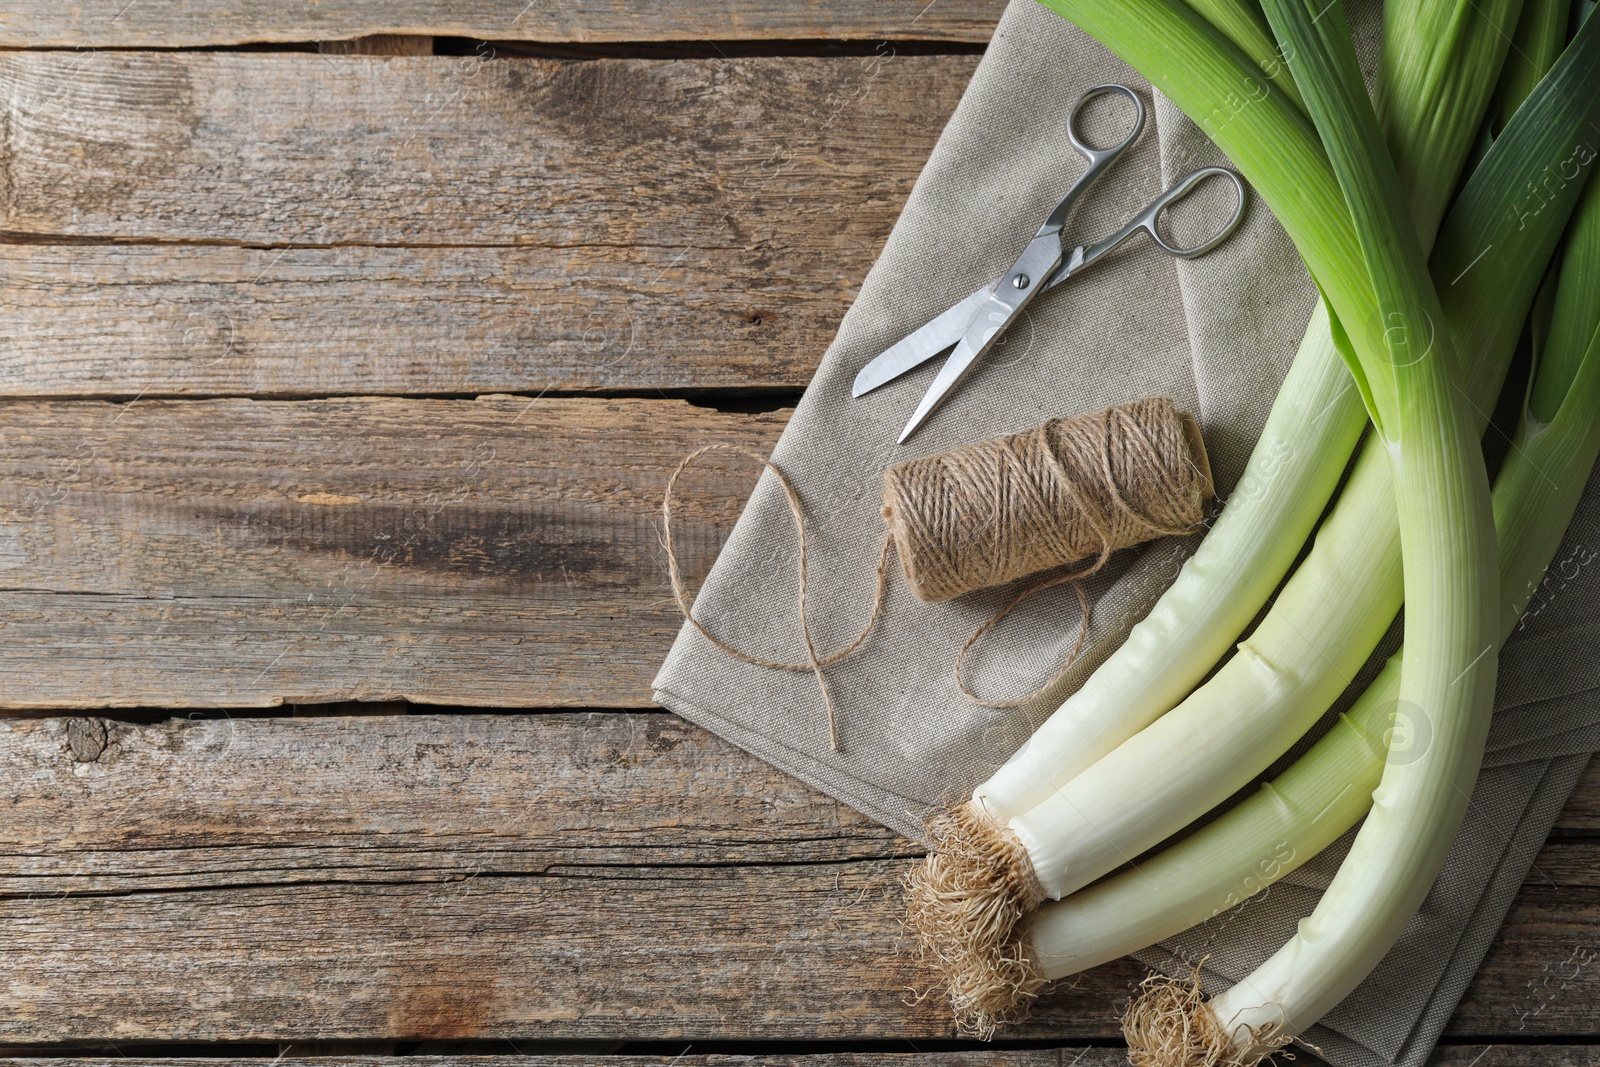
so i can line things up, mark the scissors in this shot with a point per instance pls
(975, 324)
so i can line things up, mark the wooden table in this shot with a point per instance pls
(342, 380)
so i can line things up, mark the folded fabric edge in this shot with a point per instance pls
(1583, 741)
(1536, 701)
(902, 817)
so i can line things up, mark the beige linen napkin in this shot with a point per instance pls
(1216, 334)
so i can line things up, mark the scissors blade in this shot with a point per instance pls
(920, 345)
(1030, 275)
(978, 339)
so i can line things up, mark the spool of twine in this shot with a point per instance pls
(1084, 486)
(1070, 492)
(1058, 499)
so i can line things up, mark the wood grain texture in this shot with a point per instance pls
(1062, 1057)
(117, 320)
(632, 224)
(378, 44)
(236, 802)
(447, 877)
(767, 155)
(554, 876)
(498, 552)
(172, 23)
(1071, 1056)
(719, 952)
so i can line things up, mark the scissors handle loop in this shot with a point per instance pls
(1147, 220)
(1099, 158)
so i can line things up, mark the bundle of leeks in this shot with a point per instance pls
(1417, 344)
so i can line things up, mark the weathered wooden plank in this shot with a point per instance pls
(559, 876)
(673, 898)
(636, 224)
(102, 806)
(170, 23)
(765, 155)
(1542, 977)
(173, 320)
(697, 953)
(1061, 1057)
(557, 943)
(1071, 1056)
(497, 552)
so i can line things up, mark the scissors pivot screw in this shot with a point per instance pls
(1021, 281)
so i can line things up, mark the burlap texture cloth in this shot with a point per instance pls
(1216, 334)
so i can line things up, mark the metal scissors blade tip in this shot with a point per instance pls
(919, 346)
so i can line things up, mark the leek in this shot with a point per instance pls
(1571, 317)
(1343, 597)
(1541, 34)
(1305, 809)
(1268, 999)
(1435, 71)
(1447, 542)
(1241, 22)
(1330, 787)
(976, 904)
(965, 902)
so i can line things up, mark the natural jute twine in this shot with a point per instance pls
(984, 514)
(1043, 500)
(813, 662)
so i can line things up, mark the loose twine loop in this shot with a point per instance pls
(1036, 502)
(813, 662)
